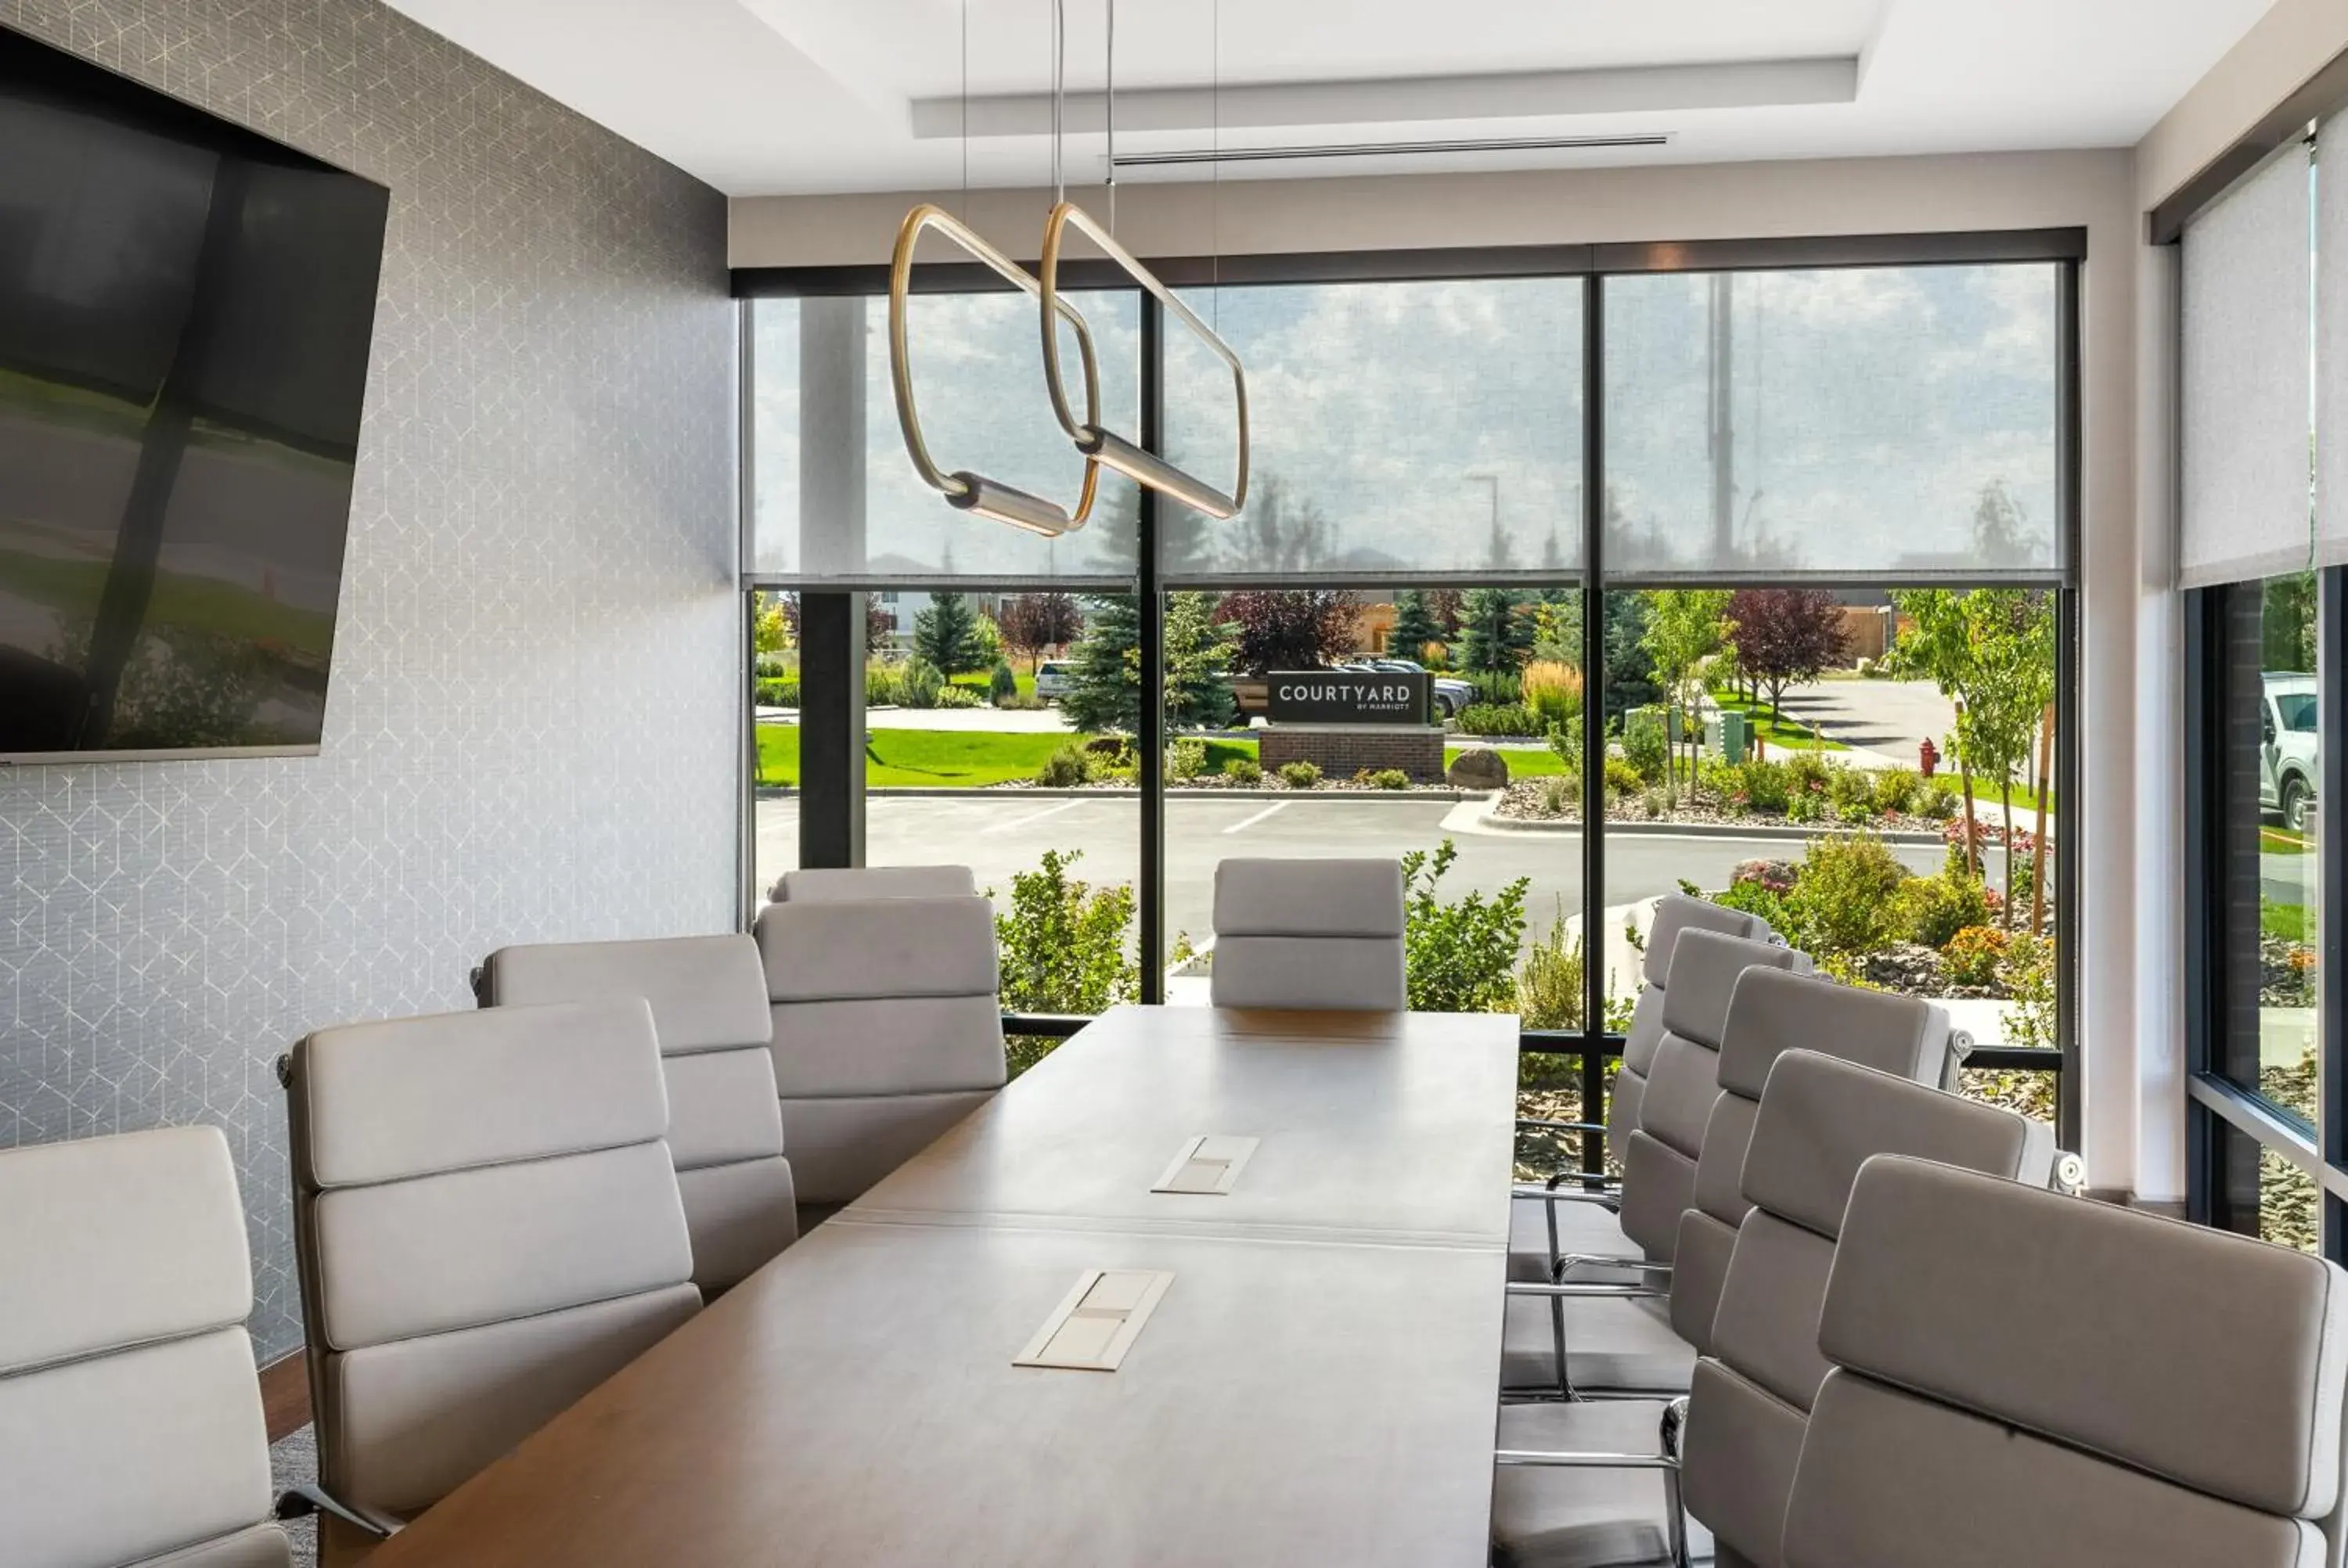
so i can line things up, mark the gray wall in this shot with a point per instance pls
(530, 729)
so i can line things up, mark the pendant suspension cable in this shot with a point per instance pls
(965, 111)
(1059, 94)
(1108, 108)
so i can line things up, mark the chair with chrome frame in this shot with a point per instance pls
(1618, 1331)
(488, 1226)
(855, 884)
(131, 1432)
(1544, 1231)
(1308, 934)
(1727, 1449)
(1998, 1394)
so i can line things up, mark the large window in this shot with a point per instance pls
(1753, 582)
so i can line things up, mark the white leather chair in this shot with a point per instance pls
(855, 884)
(1540, 1233)
(709, 997)
(2029, 1379)
(887, 1030)
(130, 1420)
(488, 1226)
(1317, 934)
(1772, 1013)
(1620, 1341)
(1731, 1444)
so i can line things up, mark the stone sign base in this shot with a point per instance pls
(1340, 751)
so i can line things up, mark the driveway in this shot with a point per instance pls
(1887, 716)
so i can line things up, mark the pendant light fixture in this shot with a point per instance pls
(1097, 442)
(965, 489)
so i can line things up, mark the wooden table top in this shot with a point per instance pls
(1383, 1126)
(1308, 1389)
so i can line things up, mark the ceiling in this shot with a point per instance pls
(764, 96)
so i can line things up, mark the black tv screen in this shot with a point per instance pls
(185, 313)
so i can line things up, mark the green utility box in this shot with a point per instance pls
(1728, 736)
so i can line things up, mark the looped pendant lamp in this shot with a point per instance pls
(965, 489)
(1097, 442)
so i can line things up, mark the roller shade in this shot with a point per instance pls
(2245, 508)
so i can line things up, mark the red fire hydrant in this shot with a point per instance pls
(1928, 756)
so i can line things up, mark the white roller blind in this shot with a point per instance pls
(2247, 271)
(2332, 344)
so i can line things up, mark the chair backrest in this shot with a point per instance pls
(1773, 1013)
(1821, 1119)
(709, 997)
(857, 884)
(1674, 913)
(131, 1423)
(888, 1031)
(1320, 934)
(1659, 1161)
(488, 1226)
(2026, 1378)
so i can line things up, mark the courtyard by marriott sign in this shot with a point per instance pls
(1346, 697)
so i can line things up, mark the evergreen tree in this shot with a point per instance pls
(1198, 648)
(1630, 672)
(1105, 667)
(1415, 625)
(1493, 635)
(946, 635)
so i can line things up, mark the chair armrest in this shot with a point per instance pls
(1546, 1459)
(1542, 1124)
(1531, 1287)
(1607, 1201)
(310, 1498)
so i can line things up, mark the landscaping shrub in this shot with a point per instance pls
(2031, 1022)
(1932, 909)
(1553, 691)
(1063, 941)
(1655, 801)
(1645, 742)
(1063, 769)
(1751, 895)
(778, 694)
(1805, 773)
(959, 697)
(1244, 771)
(772, 666)
(1493, 718)
(1110, 759)
(1022, 702)
(1186, 759)
(1459, 956)
(1299, 776)
(1806, 805)
(1384, 778)
(1936, 801)
(1972, 955)
(1559, 792)
(1001, 685)
(921, 685)
(1622, 780)
(1496, 688)
(881, 685)
(1767, 786)
(1850, 788)
(1549, 981)
(1895, 789)
(1565, 740)
(1845, 900)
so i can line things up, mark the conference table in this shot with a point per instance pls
(1304, 1333)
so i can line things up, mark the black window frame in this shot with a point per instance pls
(836, 837)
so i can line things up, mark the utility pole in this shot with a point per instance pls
(1720, 443)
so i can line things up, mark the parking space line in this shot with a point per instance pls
(1017, 823)
(1275, 808)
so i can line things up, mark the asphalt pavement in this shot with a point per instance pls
(998, 832)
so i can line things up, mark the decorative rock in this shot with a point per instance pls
(1479, 767)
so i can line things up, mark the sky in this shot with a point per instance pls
(1436, 426)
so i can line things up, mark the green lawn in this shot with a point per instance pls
(2287, 921)
(977, 680)
(1781, 734)
(974, 759)
(2278, 841)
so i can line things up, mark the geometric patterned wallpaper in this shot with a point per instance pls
(531, 720)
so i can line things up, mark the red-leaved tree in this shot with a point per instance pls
(1290, 628)
(1786, 635)
(1032, 622)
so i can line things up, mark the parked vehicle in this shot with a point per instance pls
(1053, 677)
(1450, 695)
(2286, 746)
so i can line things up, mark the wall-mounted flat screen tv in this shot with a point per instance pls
(185, 313)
